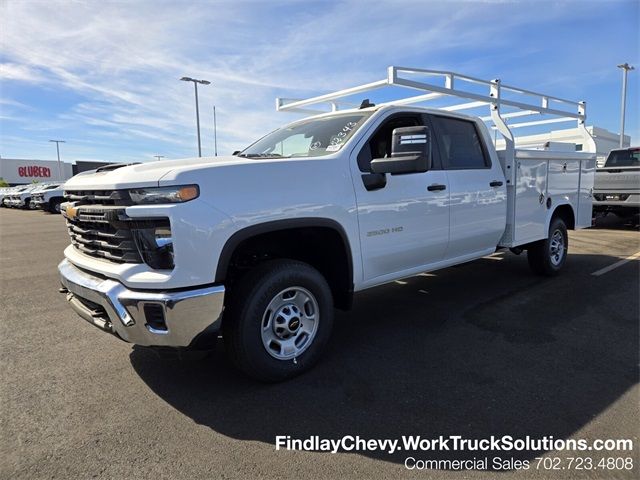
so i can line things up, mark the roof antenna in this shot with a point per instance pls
(366, 104)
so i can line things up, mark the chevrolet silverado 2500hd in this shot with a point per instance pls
(261, 246)
(617, 184)
(48, 197)
(21, 196)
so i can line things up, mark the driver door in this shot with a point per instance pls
(404, 225)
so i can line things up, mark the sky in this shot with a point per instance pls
(104, 75)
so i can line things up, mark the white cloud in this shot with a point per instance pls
(123, 60)
(15, 71)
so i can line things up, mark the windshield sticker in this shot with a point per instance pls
(336, 141)
(315, 145)
(349, 126)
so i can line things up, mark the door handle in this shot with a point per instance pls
(436, 187)
(496, 183)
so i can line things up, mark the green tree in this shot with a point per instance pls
(3, 183)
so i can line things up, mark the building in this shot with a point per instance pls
(605, 140)
(16, 171)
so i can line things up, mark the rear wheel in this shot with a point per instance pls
(547, 257)
(278, 320)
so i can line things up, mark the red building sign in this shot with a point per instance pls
(34, 171)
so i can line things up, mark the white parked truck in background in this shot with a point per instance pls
(617, 184)
(261, 246)
(48, 197)
(20, 197)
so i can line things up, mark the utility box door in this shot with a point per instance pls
(530, 207)
(585, 197)
(563, 181)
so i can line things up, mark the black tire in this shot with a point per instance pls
(246, 313)
(547, 257)
(54, 205)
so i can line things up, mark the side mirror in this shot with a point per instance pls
(236, 152)
(410, 152)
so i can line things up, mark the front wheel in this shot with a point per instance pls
(278, 320)
(547, 257)
(54, 205)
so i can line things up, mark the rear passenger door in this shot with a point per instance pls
(478, 200)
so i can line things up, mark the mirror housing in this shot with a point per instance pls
(410, 152)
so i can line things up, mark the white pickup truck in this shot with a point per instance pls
(48, 197)
(261, 246)
(617, 184)
(20, 196)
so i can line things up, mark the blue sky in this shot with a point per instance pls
(104, 75)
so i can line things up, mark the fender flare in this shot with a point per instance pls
(552, 210)
(278, 225)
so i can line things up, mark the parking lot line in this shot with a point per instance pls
(604, 270)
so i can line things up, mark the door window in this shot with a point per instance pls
(460, 144)
(379, 145)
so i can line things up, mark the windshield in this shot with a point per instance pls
(308, 138)
(624, 158)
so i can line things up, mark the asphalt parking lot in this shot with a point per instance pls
(481, 349)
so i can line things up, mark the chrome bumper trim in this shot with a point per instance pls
(111, 306)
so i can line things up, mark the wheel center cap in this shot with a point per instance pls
(294, 324)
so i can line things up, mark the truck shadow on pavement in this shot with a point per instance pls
(613, 222)
(477, 350)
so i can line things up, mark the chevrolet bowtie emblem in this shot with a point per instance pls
(71, 211)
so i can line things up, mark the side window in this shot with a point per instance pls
(379, 145)
(460, 144)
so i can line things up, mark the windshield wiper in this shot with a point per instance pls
(260, 155)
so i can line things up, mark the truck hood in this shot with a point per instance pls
(145, 174)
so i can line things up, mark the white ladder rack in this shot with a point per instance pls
(505, 102)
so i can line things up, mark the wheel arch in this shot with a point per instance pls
(565, 211)
(335, 262)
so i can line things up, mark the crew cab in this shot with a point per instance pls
(617, 184)
(48, 197)
(260, 247)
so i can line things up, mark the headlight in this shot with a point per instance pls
(176, 194)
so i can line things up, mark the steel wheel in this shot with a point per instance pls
(556, 248)
(290, 323)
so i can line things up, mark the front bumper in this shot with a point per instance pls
(38, 202)
(187, 315)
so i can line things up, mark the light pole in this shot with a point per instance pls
(625, 69)
(195, 84)
(159, 157)
(215, 133)
(58, 142)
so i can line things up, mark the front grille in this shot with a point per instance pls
(99, 197)
(99, 226)
(99, 232)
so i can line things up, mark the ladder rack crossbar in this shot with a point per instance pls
(451, 87)
(540, 122)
